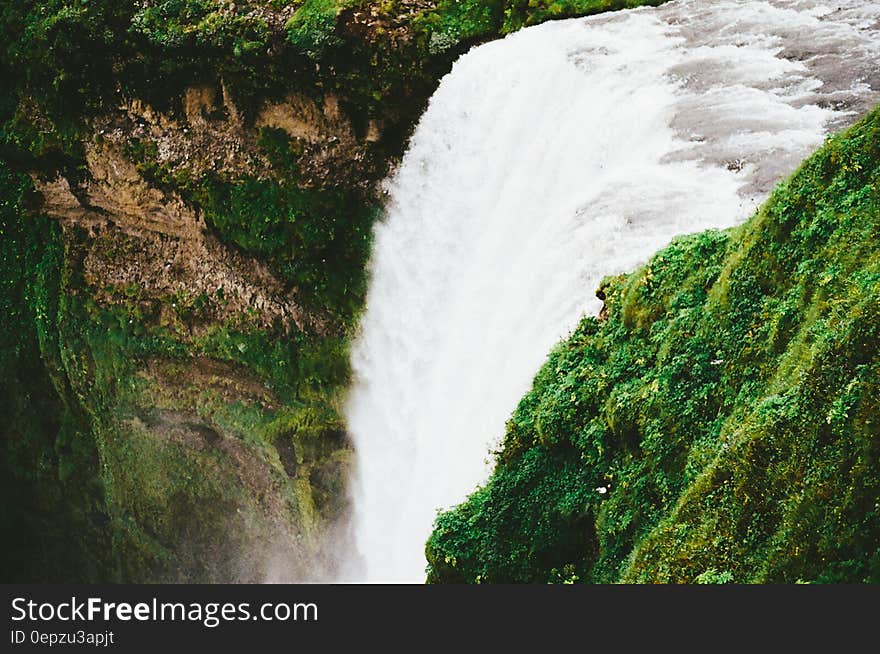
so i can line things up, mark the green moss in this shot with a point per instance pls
(162, 477)
(315, 240)
(452, 23)
(521, 13)
(312, 28)
(48, 460)
(728, 406)
(185, 469)
(455, 22)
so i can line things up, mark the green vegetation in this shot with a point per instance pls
(454, 22)
(521, 13)
(48, 462)
(721, 425)
(312, 29)
(316, 240)
(93, 446)
(68, 59)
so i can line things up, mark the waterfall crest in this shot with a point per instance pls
(545, 161)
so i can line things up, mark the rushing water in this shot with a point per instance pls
(545, 161)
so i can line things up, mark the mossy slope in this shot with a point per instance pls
(132, 450)
(48, 461)
(721, 424)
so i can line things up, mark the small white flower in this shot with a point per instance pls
(601, 490)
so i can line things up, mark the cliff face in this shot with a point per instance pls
(198, 279)
(189, 188)
(718, 421)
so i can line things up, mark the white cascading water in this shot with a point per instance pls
(545, 161)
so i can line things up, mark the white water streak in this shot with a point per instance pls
(544, 162)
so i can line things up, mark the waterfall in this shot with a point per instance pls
(545, 161)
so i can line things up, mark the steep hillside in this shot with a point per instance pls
(718, 421)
